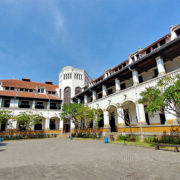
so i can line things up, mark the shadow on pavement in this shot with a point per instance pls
(3, 144)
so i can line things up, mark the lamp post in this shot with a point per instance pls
(138, 114)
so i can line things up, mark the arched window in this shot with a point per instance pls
(67, 95)
(77, 90)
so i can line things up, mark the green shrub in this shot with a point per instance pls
(153, 139)
(80, 135)
(73, 134)
(124, 138)
(170, 140)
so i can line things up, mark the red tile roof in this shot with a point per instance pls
(27, 85)
(28, 95)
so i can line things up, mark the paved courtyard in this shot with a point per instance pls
(51, 159)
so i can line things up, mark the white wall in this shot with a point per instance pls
(73, 82)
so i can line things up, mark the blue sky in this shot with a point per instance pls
(39, 37)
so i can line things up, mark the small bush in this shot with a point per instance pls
(169, 140)
(151, 139)
(80, 135)
(73, 134)
(127, 138)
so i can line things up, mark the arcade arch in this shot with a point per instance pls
(113, 119)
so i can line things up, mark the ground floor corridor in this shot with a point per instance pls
(47, 159)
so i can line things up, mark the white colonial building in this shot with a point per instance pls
(115, 94)
(45, 99)
(117, 91)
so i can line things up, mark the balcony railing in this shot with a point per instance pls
(39, 107)
(24, 106)
(54, 107)
(144, 83)
(6, 105)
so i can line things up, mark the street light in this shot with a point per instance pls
(141, 131)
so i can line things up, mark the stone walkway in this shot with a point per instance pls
(49, 159)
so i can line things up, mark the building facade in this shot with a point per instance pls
(115, 94)
(45, 99)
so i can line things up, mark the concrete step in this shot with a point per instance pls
(64, 135)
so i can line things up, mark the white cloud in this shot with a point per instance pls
(58, 20)
(48, 11)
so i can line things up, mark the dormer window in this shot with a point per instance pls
(51, 92)
(178, 32)
(148, 51)
(138, 56)
(7, 88)
(154, 46)
(41, 90)
(132, 59)
(124, 64)
(162, 42)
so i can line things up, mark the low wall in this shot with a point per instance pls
(152, 130)
(146, 130)
(16, 133)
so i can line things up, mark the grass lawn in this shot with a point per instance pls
(81, 138)
(143, 144)
(136, 143)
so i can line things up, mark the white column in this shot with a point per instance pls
(94, 95)
(48, 105)
(106, 119)
(117, 85)
(104, 91)
(79, 101)
(85, 99)
(135, 77)
(72, 126)
(171, 118)
(0, 102)
(140, 113)
(14, 103)
(47, 121)
(160, 65)
(61, 125)
(32, 126)
(120, 114)
(33, 104)
(130, 59)
(135, 58)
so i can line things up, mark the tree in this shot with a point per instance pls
(5, 116)
(27, 119)
(78, 112)
(71, 111)
(125, 115)
(164, 97)
(90, 115)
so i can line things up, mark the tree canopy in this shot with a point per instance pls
(26, 119)
(165, 96)
(78, 112)
(5, 116)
